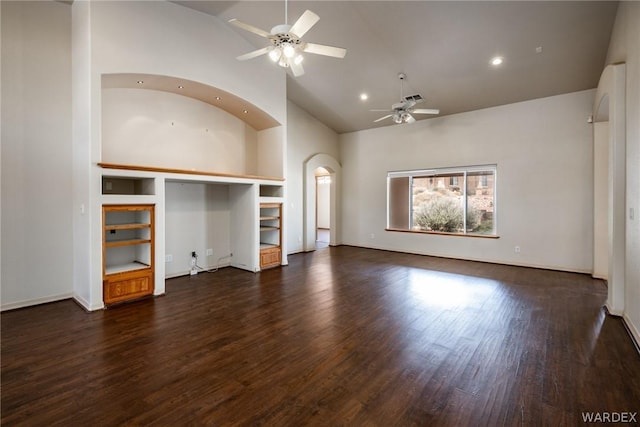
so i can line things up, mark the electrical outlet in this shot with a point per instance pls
(517, 249)
(168, 258)
(209, 252)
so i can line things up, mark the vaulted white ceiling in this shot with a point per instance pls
(443, 47)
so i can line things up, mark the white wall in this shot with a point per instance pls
(197, 218)
(37, 233)
(600, 200)
(154, 128)
(306, 136)
(625, 47)
(323, 194)
(271, 146)
(163, 38)
(543, 150)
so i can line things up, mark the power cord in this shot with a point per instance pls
(213, 270)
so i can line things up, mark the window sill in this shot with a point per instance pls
(442, 233)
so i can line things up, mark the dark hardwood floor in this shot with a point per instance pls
(342, 336)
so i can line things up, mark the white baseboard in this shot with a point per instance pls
(476, 259)
(35, 301)
(633, 331)
(611, 311)
(86, 305)
(205, 270)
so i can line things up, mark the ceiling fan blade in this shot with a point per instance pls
(254, 53)
(410, 119)
(296, 69)
(249, 27)
(320, 49)
(425, 111)
(307, 20)
(385, 110)
(382, 118)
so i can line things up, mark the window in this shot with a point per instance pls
(452, 200)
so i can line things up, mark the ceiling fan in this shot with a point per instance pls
(401, 112)
(286, 41)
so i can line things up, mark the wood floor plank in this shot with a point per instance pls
(341, 336)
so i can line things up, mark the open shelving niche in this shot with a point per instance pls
(128, 252)
(270, 226)
(138, 185)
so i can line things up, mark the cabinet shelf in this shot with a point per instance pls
(123, 268)
(135, 226)
(269, 218)
(268, 246)
(262, 228)
(128, 242)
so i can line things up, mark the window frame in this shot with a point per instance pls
(435, 172)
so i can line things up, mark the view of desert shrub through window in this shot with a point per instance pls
(452, 200)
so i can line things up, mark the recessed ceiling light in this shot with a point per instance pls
(180, 87)
(217, 98)
(364, 96)
(245, 111)
(497, 60)
(139, 82)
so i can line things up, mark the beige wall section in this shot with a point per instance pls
(270, 146)
(600, 199)
(154, 128)
(625, 47)
(197, 219)
(323, 194)
(306, 137)
(37, 202)
(543, 151)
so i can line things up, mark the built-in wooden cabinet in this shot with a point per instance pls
(270, 235)
(127, 252)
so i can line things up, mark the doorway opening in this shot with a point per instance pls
(323, 207)
(321, 162)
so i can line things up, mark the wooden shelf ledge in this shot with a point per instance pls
(184, 171)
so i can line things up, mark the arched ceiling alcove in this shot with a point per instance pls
(242, 109)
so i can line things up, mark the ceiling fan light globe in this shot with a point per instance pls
(283, 62)
(298, 60)
(275, 55)
(288, 50)
(397, 119)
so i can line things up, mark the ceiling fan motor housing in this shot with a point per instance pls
(278, 39)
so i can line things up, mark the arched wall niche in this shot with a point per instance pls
(309, 216)
(170, 122)
(242, 109)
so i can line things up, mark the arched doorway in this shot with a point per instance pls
(609, 184)
(310, 199)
